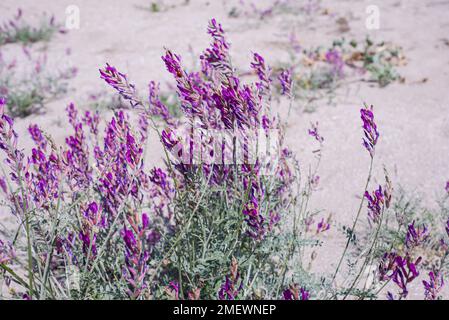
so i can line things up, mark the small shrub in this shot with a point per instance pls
(28, 84)
(16, 30)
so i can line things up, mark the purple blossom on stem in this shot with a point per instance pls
(375, 204)
(173, 64)
(294, 292)
(416, 235)
(92, 121)
(313, 132)
(37, 136)
(119, 82)
(9, 144)
(76, 157)
(285, 78)
(387, 266)
(92, 222)
(263, 73)
(322, 226)
(433, 286)
(406, 272)
(231, 288)
(402, 270)
(369, 129)
(217, 55)
(254, 220)
(136, 256)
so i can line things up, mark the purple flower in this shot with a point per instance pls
(119, 82)
(322, 226)
(92, 222)
(76, 157)
(262, 72)
(402, 270)
(285, 78)
(92, 121)
(294, 292)
(369, 129)
(173, 64)
(217, 55)
(447, 187)
(416, 235)
(406, 271)
(136, 256)
(230, 289)
(433, 286)
(37, 136)
(313, 132)
(375, 204)
(254, 220)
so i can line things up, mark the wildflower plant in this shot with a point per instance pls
(321, 71)
(226, 217)
(28, 82)
(17, 30)
(90, 206)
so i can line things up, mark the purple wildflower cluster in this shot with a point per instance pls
(295, 292)
(120, 83)
(433, 287)
(401, 269)
(116, 180)
(375, 204)
(416, 235)
(232, 286)
(314, 132)
(285, 79)
(16, 29)
(136, 255)
(369, 129)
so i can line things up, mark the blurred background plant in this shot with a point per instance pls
(17, 30)
(28, 81)
(321, 71)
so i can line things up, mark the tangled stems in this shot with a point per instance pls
(354, 283)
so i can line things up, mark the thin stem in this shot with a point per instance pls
(355, 221)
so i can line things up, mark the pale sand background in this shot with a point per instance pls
(413, 118)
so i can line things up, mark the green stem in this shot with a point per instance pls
(355, 221)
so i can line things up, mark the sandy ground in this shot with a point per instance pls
(413, 117)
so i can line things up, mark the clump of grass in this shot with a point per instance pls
(17, 30)
(27, 83)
